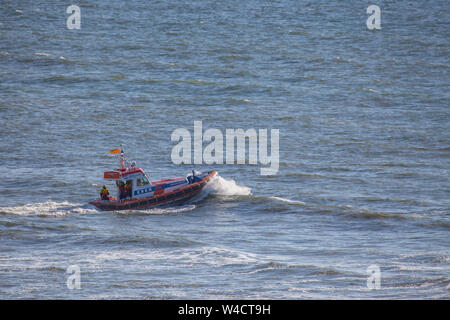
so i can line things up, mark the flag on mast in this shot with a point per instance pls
(115, 151)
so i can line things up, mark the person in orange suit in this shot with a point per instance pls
(104, 193)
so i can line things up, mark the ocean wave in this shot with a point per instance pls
(288, 200)
(196, 82)
(436, 223)
(159, 210)
(273, 203)
(278, 267)
(43, 54)
(185, 254)
(271, 266)
(231, 58)
(417, 267)
(386, 199)
(48, 208)
(220, 256)
(424, 257)
(240, 101)
(286, 118)
(158, 241)
(362, 213)
(307, 175)
(70, 79)
(440, 282)
(340, 59)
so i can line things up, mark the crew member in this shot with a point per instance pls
(122, 191)
(104, 193)
(128, 189)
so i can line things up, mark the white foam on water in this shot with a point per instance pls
(157, 258)
(417, 267)
(160, 210)
(48, 208)
(226, 187)
(288, 200)
(43, 54)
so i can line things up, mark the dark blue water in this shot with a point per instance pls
(364, 148)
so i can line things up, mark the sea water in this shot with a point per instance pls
(363, 118)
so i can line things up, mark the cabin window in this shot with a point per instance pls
(142, 182)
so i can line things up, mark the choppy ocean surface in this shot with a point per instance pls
(364, 122)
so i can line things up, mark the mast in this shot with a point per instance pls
(123, 160)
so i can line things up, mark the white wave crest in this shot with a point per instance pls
(288, 200)
(160, 210)
(48, 208)
(43, 54)
(226, 187)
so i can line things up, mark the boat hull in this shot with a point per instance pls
(174, 196)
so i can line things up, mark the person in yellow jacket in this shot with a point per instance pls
(104, 193)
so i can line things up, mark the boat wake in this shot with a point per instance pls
(228, 187)
(162, 210)
(48, 209)
(288, 200)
